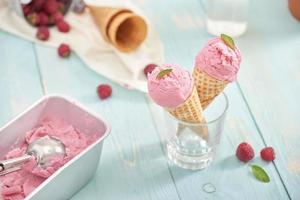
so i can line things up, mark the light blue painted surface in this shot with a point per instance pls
(133, 165)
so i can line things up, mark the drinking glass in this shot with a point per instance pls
(194, 145)
(226, 16)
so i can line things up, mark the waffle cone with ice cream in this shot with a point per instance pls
(120, 26)
(173, 88)
(217, 64)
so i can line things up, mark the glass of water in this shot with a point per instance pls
(226, 16)
(193, 146)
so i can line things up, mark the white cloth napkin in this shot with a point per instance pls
(86, 40)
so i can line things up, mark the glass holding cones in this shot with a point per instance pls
(193, 145)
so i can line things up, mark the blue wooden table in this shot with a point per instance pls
(264, 107)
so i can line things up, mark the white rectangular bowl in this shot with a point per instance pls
(67, 180)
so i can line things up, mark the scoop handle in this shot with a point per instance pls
(13, 162)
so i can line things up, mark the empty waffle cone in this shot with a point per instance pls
(207, 87)
(120, 27)
(190, 111)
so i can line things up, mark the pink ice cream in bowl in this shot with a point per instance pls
(55, 116)
(218, 60)
(170, 90)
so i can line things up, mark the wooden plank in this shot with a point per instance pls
(181, 28)
(270, 81)
(19, 76)
(132, 164)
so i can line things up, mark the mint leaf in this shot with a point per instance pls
(260, 174)
(163, 73)
(228, 41)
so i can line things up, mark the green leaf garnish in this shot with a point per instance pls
(228, 41)
(163, 73)
(260, 174)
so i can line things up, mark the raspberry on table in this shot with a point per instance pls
(64, 50)
(149, 68)
(43, 33)
(63, 26)
(267, 154)
(104, 91)
(244, 152)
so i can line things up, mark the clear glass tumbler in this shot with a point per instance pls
(226, 16)
(193, 146)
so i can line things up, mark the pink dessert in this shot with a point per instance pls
(17, 185)
(172, 89)
(218, 60)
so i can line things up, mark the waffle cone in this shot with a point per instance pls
(120, 27)
(190, 111)
(207, 87)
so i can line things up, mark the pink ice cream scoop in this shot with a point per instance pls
(171, 89)
(218, 60)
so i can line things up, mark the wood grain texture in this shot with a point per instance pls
(19, 77)
(133, 165)
(270, 81)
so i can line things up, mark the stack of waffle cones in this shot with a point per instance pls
(119, 26)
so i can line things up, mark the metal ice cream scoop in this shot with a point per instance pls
(43, 150)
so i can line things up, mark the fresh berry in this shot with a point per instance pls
(63, 26)
(149, 68)
(244, 152)
(104, 91)
(57, 17)
(33, 18)
(64, 50)
(26, 9)
(267, 154)
(61, 7)
(37, 5)
(50, 6)
(43, 33)
(43, 19)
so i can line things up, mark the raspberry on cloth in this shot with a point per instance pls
(88, 43)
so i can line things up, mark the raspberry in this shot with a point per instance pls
(149, 68)
(37, 5)
(57, 17)
(63, 26)
(50, 6)
(33, 18)
(267, 154)
(64, 50)
(43, 33)
(43, 19)
(244, 152)
(104, 91)
(61, 7)
(26, 9)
